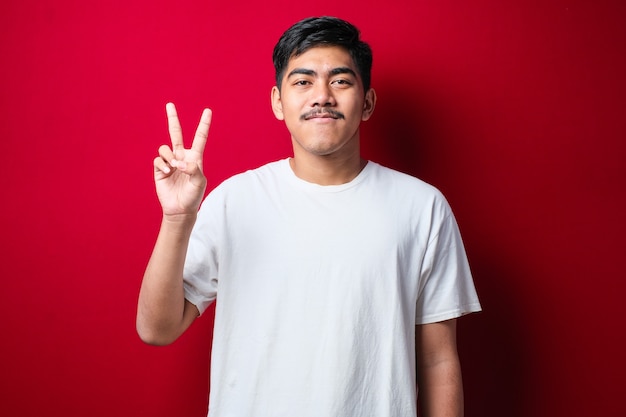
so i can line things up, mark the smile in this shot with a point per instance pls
(322, 113)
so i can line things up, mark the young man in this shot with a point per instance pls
(335, 276)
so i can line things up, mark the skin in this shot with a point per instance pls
(439, 370)
(163, 313)
(322, 102)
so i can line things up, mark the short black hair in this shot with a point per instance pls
(323, 31)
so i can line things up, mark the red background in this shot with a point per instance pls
(516, 110)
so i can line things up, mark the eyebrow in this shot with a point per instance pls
(334, 71)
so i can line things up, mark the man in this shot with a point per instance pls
(335, 276)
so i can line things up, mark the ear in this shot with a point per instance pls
(277, 105)
(369, 104)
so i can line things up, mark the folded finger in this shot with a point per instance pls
(161, 165)
(166, 153)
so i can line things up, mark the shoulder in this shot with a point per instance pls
(240, 182)
(411, 199)
(404, 184)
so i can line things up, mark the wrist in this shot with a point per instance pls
(179, 221)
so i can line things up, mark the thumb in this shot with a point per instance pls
(196, 176)
(179, 154)
(190, 168)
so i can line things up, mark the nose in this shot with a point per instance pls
(322, 95)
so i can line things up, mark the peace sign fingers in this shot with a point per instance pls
(176, 133)
(173, 125)
(199, 140)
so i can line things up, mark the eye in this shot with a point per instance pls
(342, 82)
(302, 82)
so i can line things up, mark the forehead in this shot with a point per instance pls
(320, 57)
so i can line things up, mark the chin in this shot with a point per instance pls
(323, 145)
(323, 149)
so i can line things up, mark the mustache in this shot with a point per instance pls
(322, 111)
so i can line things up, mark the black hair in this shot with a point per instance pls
(322, 31)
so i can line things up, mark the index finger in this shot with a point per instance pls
(199, 140)
(173, 125)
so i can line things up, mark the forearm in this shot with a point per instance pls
(161, 315)
(440, 389)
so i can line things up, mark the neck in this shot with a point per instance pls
(327, 169)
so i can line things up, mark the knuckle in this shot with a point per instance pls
(164, 150)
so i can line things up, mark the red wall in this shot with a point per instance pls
(516, 110)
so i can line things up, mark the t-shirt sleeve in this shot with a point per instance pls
(446, 286)
(202, 261)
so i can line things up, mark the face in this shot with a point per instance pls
(322, 102)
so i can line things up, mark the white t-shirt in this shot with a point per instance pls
(319, 289)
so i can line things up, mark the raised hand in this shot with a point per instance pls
(178, 175)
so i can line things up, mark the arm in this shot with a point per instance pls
(438, 370)
(163, 314)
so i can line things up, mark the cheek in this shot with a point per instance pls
(292, 121)
(292, 113)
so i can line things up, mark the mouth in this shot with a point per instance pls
(322, 113)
